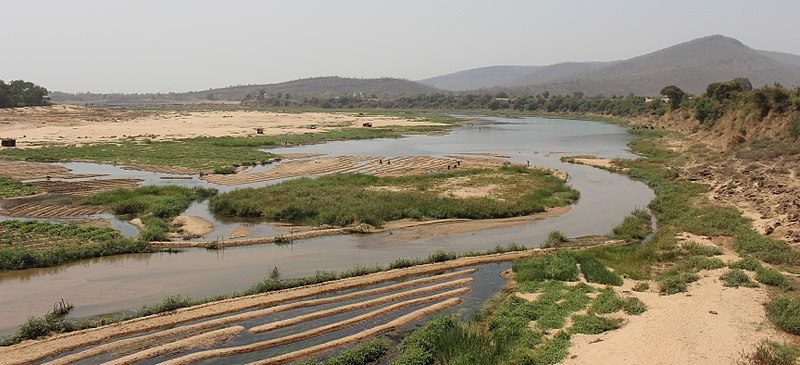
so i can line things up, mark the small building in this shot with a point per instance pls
(8, 142)
(367, 124)
(259, 130)
(310, 126)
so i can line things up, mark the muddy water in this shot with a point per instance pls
(128, 281)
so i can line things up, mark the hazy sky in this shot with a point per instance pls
(149, 46)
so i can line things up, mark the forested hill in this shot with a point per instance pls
(321, 87)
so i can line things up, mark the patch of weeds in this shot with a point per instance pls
(363, 354)
(591, 324)
(555, 239)
(702, 250)
(746, 263)
(634, 306)
(636, 226)
(595, 272)
(674, 281)
(785, 314)
(607, 302)
(773, 277)
(37, 327)
(561, 267)
(766, 249)
(641, 286)
(699, 263)
(736, 278)
(771, 353)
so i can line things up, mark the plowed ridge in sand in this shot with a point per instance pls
(35, 210)
(328, 165)
(386, 301)
(86, 187)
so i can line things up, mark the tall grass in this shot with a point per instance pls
(10, 188)
(636, 226)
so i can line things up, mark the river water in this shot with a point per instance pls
(124, 282)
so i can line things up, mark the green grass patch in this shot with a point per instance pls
(636, 226)
(772, 353)
(607, 302)
(746, 263)
(596, 272)
(641, 286)
(30, 244)
(346, 199)
(560, 266)
(591, 324)
(750, 242)
(699, 263)
(773, 277)
(785, 314)
(673, 281)
(735, 278)
(159, 201)
(695, 248)
(634, 306)
(10, 188)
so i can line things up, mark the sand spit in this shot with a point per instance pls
(231, 351)
(31, 351)
(372, 332)
(408, 229)
(108, 347)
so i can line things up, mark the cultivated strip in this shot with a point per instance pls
(34, 350)
(357, 306)
(392, 325)
(231, 351)
(98, 350)
(201, 340)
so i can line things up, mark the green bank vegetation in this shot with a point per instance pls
(10, 188)
(347, 199)
(152, 204)
(205, 154)
(19, 93)
(30, 244)
(503, 334)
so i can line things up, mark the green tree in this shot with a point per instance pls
(675, 95)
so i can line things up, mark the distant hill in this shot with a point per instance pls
(508, 76)
(691, 65)
(311, 87)
(788, 58)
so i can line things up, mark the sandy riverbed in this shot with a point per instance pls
(66, 124)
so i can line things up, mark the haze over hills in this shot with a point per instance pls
(330, 86)
(691, 65)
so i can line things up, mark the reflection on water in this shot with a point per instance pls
(127, 281)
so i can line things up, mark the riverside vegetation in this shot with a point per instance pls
(10, 188)
(152, 204)
(355, 198)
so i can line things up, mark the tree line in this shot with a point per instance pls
(707, 107)
(19, 93)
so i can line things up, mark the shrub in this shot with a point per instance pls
(698, 263)
(794, 128)
(363, 354)
(636, 226)
(593, 324)
(225, 170)
(736, 278)
(774, 278)
(673, 282)
(634, 306)
(708, 110)
(607, 302)
(641, 286)
(555, 239)
(785, 314)
(772, 353)
(746, 263)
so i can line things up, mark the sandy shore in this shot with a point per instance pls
(66, 124)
